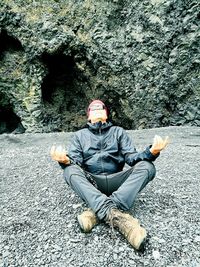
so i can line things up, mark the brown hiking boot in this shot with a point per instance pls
(87, 220)
(128, 226)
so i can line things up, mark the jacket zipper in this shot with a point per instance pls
(102, 160)
(101, 149)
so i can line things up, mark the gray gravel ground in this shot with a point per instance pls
(38, 210)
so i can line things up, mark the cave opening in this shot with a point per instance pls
(9, 121)
(60, 75)
(8, 43)
(66, 93)
(63, 93)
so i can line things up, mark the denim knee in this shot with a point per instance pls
(70, 171)
(149, 166)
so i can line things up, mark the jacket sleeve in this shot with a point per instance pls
(130, 153)
(74, 152)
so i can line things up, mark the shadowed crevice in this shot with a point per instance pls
(8, 43)
(60, 74)
(9, 121)
(63, 95)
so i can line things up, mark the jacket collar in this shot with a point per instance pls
(99, 126)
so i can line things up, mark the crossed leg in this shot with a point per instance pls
(134, 180)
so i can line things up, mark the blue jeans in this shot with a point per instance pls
(104, 192)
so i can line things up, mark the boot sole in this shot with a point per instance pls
(80, 223)
(142, 245)
(139, 244)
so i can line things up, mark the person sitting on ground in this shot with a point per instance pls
(94, 169)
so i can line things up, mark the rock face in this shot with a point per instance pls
(140, 57)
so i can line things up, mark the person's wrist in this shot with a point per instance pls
(67, 161)
(154, 151)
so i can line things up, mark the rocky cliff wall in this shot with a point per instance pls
(140, 57)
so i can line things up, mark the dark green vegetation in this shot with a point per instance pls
(141, 57)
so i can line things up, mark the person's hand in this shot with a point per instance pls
(159, 144)
(59, 154)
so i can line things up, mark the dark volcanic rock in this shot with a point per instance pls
(140, 57)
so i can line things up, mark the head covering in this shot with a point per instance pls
(94, 102)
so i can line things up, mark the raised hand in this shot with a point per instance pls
(159, 144)
(59, 154)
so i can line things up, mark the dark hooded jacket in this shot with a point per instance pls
(104, 149)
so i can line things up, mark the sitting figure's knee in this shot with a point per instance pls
(149, 166)
(70, 171)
